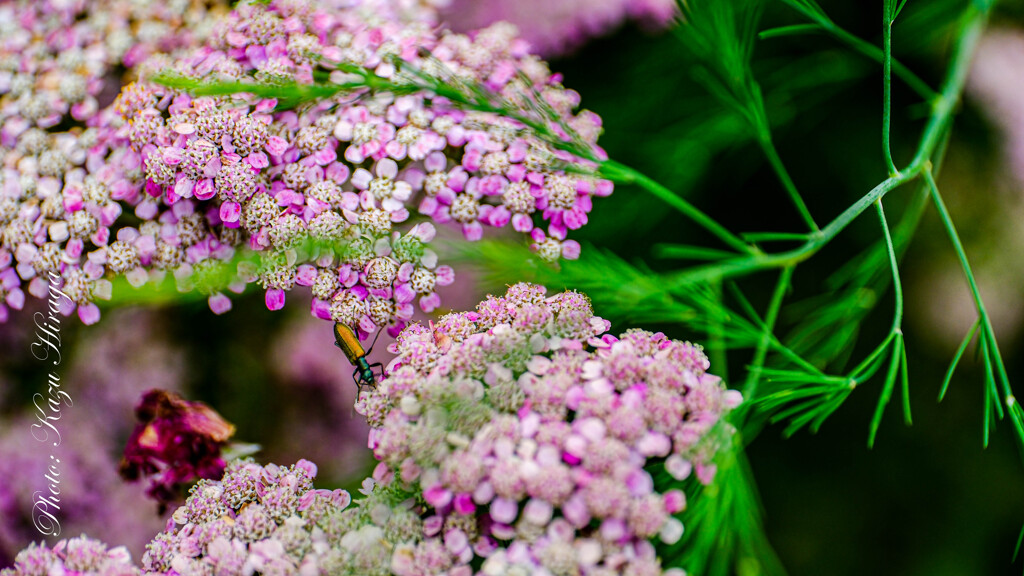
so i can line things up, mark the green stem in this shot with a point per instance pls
(887, 84)
(944, 106)
(624, 174)
(767, 329)
(869, 50)
(979, 304)
(897, 320)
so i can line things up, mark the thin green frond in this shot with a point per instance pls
(683, 252)
(905, 381)
(785, 354)
(773, 237)
(889, 11)
(997, 381)
(619, 290)
(887, 388)
(899, 9)
(802, 397)
(792, 30)
(809, 8)
(720, 34)
(956, 357)
(767, 331)
(830, 324)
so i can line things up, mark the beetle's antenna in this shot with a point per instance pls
(370, 349)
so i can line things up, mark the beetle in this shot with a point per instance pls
(346, 339)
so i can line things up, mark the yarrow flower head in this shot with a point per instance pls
(60, 190)
(348, 172)
(176, 441)
(325, 193)
(80, 556)
(263, 519)
(528, 430)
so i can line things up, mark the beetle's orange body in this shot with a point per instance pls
(346, 339)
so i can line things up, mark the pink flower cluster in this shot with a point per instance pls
(266, 520)
(80, 556)
(528, 430)
(57, 57)
(209, 176)
(57, 64)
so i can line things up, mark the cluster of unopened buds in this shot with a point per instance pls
(528, 430)
(339, 195)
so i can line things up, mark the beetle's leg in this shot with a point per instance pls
(378, 365)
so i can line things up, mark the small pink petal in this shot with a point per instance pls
(230, 211)
(473, 231)
(205, 189)
(184, 187)
(257, 160)
(276, 145)
(306, 275)
(503, 510)
(437, 496)
(321, 309)
(435, 162)
(212, 167)
(387, 168)
(463, 504)
(361, 178)
(219, 303)
(404, 293)
(444, 275)
(275, 299)
(675, 501)
(15, 299)
(570, 250)
(89, 314)
(430, 302)
(325, 156)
